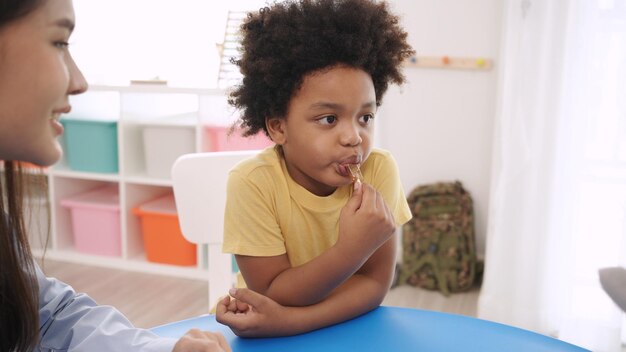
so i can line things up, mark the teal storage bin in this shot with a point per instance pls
(91, 145)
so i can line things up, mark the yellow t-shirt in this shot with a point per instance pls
(269, 214)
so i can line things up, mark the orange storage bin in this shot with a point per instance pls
(163, 241)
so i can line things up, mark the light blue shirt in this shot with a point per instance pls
(74, 322)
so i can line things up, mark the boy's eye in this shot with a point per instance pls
(327, 120)
(366, 119)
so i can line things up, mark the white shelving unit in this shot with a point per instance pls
(135, 108)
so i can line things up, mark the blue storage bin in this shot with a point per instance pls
(91, 145)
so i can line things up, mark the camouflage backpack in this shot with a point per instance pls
(438, 242)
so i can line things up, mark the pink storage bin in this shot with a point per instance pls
(96, 221)
(216, 139)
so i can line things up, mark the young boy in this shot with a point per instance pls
(303, 231)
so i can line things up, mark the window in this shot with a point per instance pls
(116, 41)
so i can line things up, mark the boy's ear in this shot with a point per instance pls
(276, 128)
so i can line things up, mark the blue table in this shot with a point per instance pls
(389, 329)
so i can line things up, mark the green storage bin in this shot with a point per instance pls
(91, 145)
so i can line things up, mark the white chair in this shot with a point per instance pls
(199, 182)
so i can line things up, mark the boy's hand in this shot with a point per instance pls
(250, 314)
(365, 222)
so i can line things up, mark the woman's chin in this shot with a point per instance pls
(48, 159)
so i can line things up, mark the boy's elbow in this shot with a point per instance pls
(382, 286)
(375, 300)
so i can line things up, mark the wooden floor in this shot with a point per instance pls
(150, 300)
(147, 300)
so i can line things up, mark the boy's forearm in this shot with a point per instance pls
(379, 268)
(358, 295)
(313, 281)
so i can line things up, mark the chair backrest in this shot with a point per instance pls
(199, 182)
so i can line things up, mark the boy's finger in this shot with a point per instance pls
(225, 300)
(248, 296)
(222, 306)
(232, 305)
(369, 195)
(233, 321)
(357, 196)
(242, 306)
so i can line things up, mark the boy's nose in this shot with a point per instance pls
(350, 135)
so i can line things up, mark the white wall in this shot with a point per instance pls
(439, 125)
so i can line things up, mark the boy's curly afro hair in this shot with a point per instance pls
(283, 43)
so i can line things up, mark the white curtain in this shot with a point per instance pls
(558, 194)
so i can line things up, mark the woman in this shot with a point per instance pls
(37, 76)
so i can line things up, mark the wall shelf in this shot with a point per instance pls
(449, 62)
(134, 108)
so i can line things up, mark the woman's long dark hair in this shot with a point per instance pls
(19, 293)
